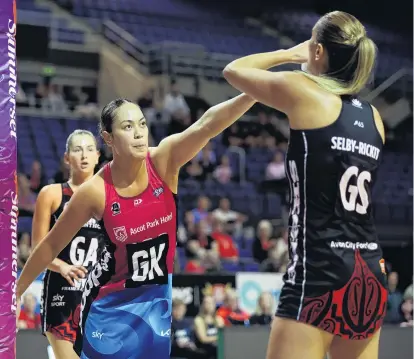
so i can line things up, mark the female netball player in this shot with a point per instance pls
(126, 303)
(333, 298)
(62, 282)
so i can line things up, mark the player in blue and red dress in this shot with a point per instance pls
(126, 305)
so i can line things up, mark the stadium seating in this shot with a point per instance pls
(158, 21)
(44, 139)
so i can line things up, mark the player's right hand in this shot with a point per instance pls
(72, 273)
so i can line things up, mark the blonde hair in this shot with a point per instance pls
(266, 225)
(351, 54)
(76, 133)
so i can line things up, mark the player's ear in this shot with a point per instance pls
(66, 158)
(107, 138)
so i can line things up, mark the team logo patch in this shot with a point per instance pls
(115, 208)
(121, 234)
(158, 191)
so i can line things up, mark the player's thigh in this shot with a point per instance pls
(355, 349)
(63, 349)
(290, 339)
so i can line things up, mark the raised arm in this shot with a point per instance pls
(82, 206)
(279, 90)
(182, 147)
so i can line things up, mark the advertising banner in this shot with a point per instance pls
(8, 192)
(192, 288)
(250, 285)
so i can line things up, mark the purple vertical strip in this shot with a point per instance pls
(8, 195)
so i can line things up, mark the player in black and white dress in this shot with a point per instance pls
(334, 296)
(64, 278)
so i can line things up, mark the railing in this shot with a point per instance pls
(173, 58)
(34, 18)
(400, 74)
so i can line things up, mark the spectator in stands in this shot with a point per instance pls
(270, 143)
(206, 325)
(223, 172)
(176, 110)
(278, 256)
(207, 160)
(275, 175)
(230, 310)
(395, 299)
(263, 242)
(146, 103)
(228, 250)
(408, 293)
(198, 214)
(233, 136)
(27, 198)
(62, 175)
(407, 306)
(37, 177)
(276, 169)
(28, 319)
(72, 98)
(193, 170)
(202, 251)
(182, 343)
(265, 126)
(55, 100)
(232, 220)
(24, 249)
(265, 310)
(40, 94)
(207, 155)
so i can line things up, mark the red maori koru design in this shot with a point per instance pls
(67, 330)
(355, 311)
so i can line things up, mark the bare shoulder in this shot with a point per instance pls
(49, 198)
(160, 157)
(379, 123)
(301, 90)
(53, 189)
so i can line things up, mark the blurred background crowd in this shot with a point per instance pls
(167, 55)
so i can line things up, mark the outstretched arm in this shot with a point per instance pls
(182, 147)
(80, 209)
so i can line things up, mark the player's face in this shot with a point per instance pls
(209, 305)
(83, 155)
(130, 132)
(179, 311)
